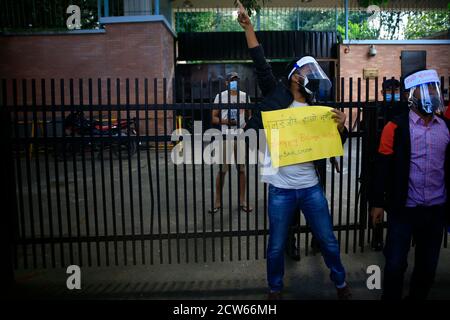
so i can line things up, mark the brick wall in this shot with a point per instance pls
(388, 63)
(124, 50)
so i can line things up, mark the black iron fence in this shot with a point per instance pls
(95, 184)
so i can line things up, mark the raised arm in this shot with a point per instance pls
(264, 74)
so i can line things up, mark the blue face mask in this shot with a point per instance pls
(389, 97)
(233, 85)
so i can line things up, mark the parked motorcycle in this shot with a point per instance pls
(77, 125)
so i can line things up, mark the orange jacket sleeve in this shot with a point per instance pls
(447, 113)
(387, 139)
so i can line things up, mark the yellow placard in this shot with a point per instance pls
(301, 134)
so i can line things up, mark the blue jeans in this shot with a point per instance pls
(283, 205)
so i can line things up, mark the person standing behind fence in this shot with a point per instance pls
(228, 118)
(412, 183)
(391, 93)
(295, 187)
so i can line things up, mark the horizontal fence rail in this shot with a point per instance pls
(96, 184)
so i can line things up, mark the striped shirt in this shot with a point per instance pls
(426, 175)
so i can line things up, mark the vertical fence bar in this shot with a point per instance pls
(84, 173)
(102, 173)
(334, 164)
(13, 236)
(65, 146)
(75, 148)
(185, 197)
(194, 191)
(221, 176)
(139, 170)
(370, 232)
(118, 147)
(212, 182)
(229, 150)
(247, 170)
(256, 185)
(8, 196)
(349, 165)
(237, 164)
(166, 172)
(365, 175)
(149, 165)
(203, 175)
(93, 145)
(130, 166)
(38, 172)
(158, 191)
(175, 172)
(264, 191)
(47, 174)
(265, 220)
(357, 165)
(22, 225)
(111, 172)
(56, 150)
(341, 164)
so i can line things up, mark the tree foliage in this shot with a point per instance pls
(425, 24)
(196, 22)
(45, 15)
(253, 5)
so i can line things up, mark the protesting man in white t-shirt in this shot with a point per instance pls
(294, 187)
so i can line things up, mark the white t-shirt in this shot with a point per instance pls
(233, 112)
(296, 176)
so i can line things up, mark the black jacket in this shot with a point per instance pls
(275, 93)
(391, 176)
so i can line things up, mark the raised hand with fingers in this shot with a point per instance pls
(243, 18)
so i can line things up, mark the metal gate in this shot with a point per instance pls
(111, 195)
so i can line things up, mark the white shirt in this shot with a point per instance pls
(233, 112)
(296, 176)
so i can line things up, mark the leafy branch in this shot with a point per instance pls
(252, 5)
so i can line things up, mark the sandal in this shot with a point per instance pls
(245, 208)
(214, 210)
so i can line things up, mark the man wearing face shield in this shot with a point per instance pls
(296, 187)
(412, 183)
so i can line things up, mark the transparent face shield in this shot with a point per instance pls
(427, 98)
(312, 76)
(425, 92)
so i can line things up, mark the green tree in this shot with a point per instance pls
(38, 15)
(426, 23)
(195, 21)
(253, 5)
(358, 31)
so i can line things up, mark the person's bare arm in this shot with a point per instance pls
(264, 74)
(246, 24)
(216, 119)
